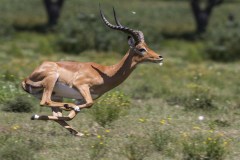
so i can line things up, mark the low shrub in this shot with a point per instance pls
(8, 90)
(110, 107)
(137, 148)
(98, 150)
(6, 30)
(19, 104)
(78, 35)
(198, 97)
(200, 147)
(18, 148)
(223, 44)
(160, 139)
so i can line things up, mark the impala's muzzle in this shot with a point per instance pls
(161, 58)
(158, 60)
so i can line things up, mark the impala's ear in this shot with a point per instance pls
(131, 41)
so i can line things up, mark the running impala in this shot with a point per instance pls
(85, 82)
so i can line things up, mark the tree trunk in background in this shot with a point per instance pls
(53, 8)
(202, 15)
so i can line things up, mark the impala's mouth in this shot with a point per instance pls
(155, 60)
(159, 61)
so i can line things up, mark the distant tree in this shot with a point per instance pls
(53, 8)
(202, 11)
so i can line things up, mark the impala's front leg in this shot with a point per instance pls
(85, 92)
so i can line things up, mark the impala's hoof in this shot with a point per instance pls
(34, 117)
(79, 134)
(77, 109)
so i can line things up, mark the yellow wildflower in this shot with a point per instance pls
(107, 130)
(15, 127)
(162, 121)
(196, 127)
(209, 138)
(141, 120)
(221, 135)
(99, 136)
(210, 131)
(185, 134)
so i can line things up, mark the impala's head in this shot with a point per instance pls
(138, 47)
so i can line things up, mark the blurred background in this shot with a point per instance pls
(187, 109)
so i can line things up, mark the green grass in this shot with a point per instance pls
(162, 120)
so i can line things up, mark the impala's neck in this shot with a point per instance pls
(119, 72)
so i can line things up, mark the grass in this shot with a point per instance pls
(162, 120)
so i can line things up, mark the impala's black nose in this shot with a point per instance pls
(161, 57)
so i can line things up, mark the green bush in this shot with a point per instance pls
(199, 147)
(88, 33)
(198, 97)
(110, 107)
(6, 30)
(98, 150)
(8, 90)
(223, 44)
(160, 139)
(18, 148)
(19, 104)
(137, 148)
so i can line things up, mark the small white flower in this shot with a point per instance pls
(197, 99)
(133, 12)
(200, 118)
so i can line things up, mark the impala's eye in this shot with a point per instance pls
(142, 50)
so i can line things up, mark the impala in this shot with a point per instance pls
(84, 82)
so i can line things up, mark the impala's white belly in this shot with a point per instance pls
(60, 90)
(63, 90)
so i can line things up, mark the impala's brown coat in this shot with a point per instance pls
(84, 82)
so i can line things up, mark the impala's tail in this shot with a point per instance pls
(28, 85)
(24, 86)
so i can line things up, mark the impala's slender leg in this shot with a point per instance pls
(70, 116)
(85, 92)
(58, 113)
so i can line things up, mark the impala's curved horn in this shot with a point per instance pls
(115, 17)
(137, 35)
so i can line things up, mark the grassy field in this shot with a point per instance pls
(188, 108)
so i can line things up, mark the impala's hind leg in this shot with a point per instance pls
(70, 116)
(48, 84)
(58, 113)
(59, 118)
